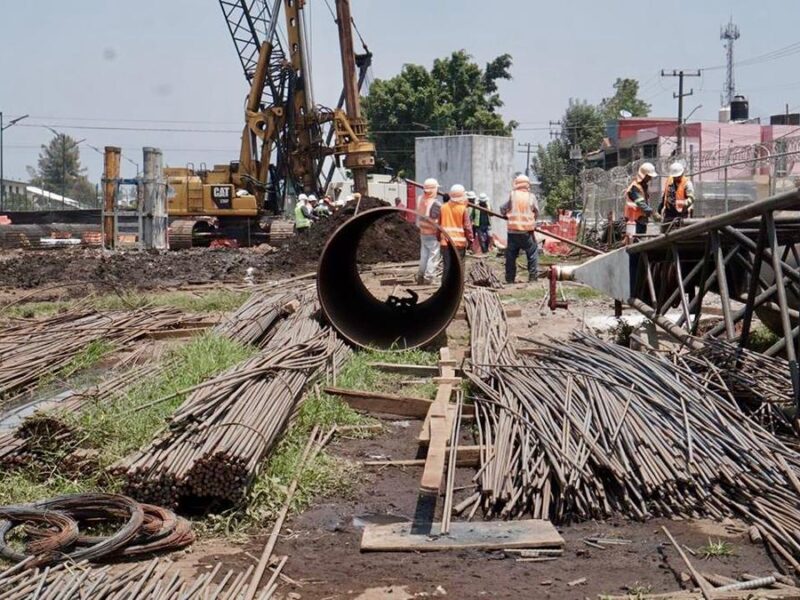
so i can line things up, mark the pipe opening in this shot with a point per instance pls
(376, 322)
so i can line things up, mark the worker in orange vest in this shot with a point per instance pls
(637, 202)
(428, 210)
(522, 210)
(455, 222)
(678, 196)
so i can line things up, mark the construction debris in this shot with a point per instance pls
(586, 429)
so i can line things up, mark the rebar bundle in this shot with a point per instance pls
(32, 350)
(481, 275)
(153, 580)
(586, 428)
(216, 440)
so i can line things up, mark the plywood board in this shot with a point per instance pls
(484, 535)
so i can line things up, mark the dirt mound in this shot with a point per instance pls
(392, 239)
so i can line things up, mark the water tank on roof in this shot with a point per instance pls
(740, 109)
(724, 114)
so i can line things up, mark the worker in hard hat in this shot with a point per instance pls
(481, 223)
(522, 210)
(318, 209)
(302, 214)
(678, 197)
(455, 222)
(428, 211)
(637, 202)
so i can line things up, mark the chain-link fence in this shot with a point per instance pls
(723, 179)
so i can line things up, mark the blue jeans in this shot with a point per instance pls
(525, 243)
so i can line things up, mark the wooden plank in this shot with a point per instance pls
(173, 334)
(406, 406)
(467, 456)
(450, 380)
(420, 370)
(485, 535)
(433, 472)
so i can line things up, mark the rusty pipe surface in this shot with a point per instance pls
(363, 319)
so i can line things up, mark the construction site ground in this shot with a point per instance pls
(322, 541)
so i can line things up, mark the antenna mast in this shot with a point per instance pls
(730, 33)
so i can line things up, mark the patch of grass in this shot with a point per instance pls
(527, 294)
(221, 300)
(761, 338)
(18, 487)
(88, 357)
(582, 292)
(35, 310)
(112, 426)
(357, 374)
(716, 549)
(637, 591)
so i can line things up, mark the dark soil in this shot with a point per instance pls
(323, 546)
(392, 239)
(139, 270)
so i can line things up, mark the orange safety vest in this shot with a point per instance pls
(680, 193)
(452, 221)
(521, 217)
(632, 212)
(426, 225)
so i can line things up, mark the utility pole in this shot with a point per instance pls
(680, 96)
(2, 175)
(729, 34)
(527, 152)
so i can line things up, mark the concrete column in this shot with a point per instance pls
(154, 207)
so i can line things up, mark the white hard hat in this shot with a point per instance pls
(312, 198)
(302, 198)
(457, 190)
(522, 182)
(430, 184)
(471, 195)
(647, 169)
(676, 169)
(483, 197)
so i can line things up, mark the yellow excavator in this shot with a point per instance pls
(283, 148)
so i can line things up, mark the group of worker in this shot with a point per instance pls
(677, 199)
(309, 209)
(464, 221)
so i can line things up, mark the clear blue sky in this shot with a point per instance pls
(83, 65)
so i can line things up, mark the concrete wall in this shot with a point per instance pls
(478, 162)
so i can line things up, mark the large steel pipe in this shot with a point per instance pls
(367, 321)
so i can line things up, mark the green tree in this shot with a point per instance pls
(59, 170)
(625, 98)
(583, 125)
(455, 95)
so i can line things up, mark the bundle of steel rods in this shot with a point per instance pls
(481, 275)
(217, 439)
(153, 580)
(32, 350)
(253, 321)
(586, 428)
